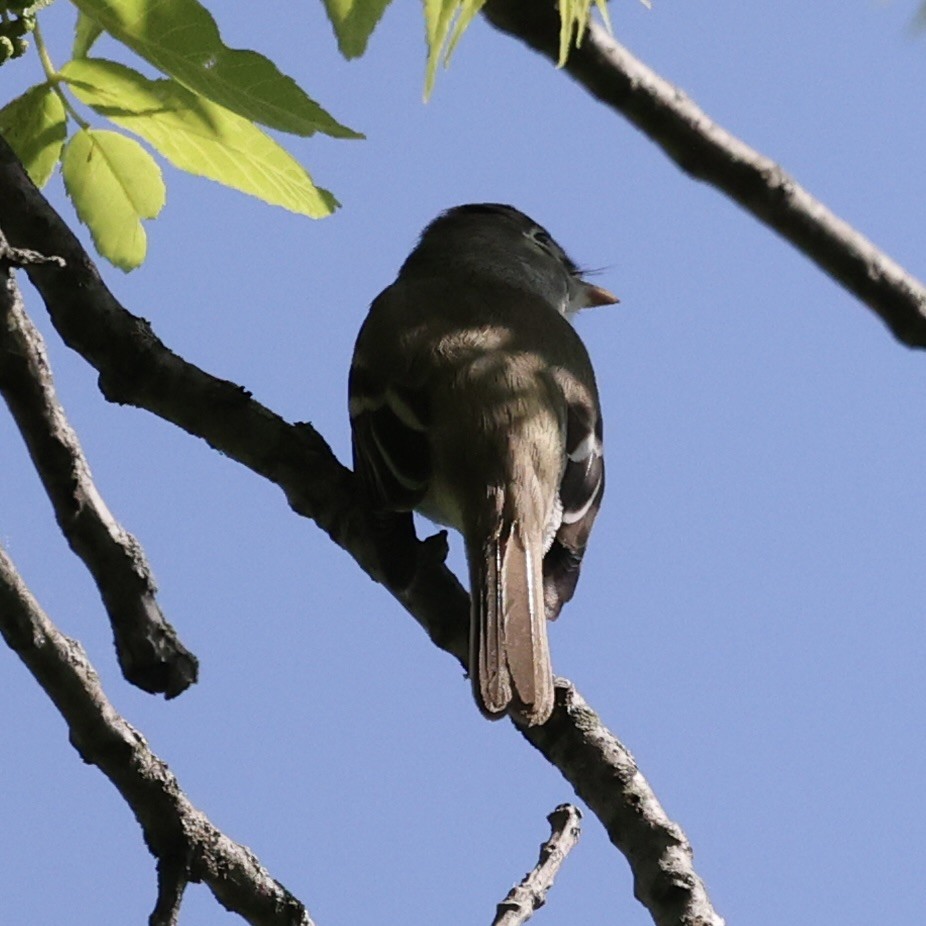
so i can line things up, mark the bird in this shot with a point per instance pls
(473, 401)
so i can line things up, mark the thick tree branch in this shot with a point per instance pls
(136, 368)
(185, 843)
(524, 899)
(149, 652)
(708, 152)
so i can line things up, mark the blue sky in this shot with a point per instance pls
(750, 617)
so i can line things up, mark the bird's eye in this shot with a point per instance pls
(542, 238)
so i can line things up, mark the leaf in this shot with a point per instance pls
(439, 16)
(35, 125)
(602, 7)
(353, 22)
(574, 16)
(468, 10)
(113, 183)
(570, 16)
(180, 38)
(196, 135)
(86, 32)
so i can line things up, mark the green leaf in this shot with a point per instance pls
(35, 125)
(113, 183)
(445, 23)
(570, 17)
(573, 21)
(468, 10)
(438, 17)
(602, 7)
(354, 22)
(180, 38)
(86, 32)
(196, 135)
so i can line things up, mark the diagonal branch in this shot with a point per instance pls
(149, 651)
(176, 833)
(136, 368)
(708, 152)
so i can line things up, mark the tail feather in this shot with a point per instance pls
(491, 683)
(510, 656)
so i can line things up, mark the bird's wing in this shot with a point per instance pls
(580, 492)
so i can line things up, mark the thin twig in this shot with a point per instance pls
(176, 833)
(149, 651)
(708, 152)
(531, 894)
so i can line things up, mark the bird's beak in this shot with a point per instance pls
(598, 295)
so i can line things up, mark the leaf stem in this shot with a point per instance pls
(54, 80)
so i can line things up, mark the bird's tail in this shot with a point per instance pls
(509, 654)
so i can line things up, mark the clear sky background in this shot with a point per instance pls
(750, 616)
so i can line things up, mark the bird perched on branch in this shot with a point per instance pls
(473, 401)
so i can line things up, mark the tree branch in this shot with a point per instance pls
(524, 899)
(177, 834)
(172, 881)
(605, 775)
(150, 654)
(136, 368)
(708, 152)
